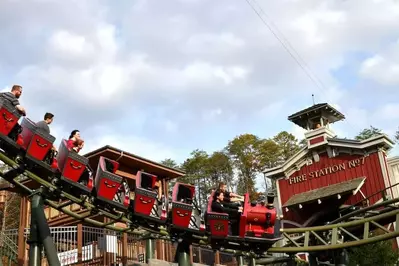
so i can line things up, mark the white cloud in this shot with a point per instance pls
(137, 145)
(105, 66)
(389, 112)
(383, 67)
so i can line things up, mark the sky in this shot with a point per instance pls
(162, 78)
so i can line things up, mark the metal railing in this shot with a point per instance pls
(8, 245)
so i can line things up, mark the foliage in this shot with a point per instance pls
(368, 133)
(196, 168)
(288, 145)
(244, 152)
(170, 163)
(238, 164)
(397, 136)
(219, 168)
(379, 253)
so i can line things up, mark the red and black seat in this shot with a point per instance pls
(146, 202)
(73, 168)
(217, 223)
(184, 213)
(9, 128)
(109, 186)
(38, 145)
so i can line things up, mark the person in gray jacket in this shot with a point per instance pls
(44, 124)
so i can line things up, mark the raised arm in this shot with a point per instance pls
(21, 110)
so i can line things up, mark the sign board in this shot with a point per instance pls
(71, 256)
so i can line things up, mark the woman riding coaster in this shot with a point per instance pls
(75, 143)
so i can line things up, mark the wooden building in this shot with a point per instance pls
(330, 172)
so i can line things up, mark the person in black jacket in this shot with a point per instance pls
(228, 196)
(234, 214)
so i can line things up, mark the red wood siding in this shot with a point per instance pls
(371, 169)
(316, 140)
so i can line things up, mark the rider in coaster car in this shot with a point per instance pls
(229, 197)
(12, 97)
(218, 206)
(75, 142)
(44, 125)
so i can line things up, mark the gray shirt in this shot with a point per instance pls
(10, 98)
(43, 126)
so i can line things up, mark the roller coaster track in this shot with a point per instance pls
(339, 235)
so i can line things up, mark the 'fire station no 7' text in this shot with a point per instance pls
(326, 171)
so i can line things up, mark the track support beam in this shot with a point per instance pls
(40, 234)
(240, 260)
(149, 249)
(182, 256)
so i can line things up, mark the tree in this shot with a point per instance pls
(288, 145)
(397, 136)
(170, 163)
(244, 153)
(219, 168)
(196, 173)
(379, 253)
(368, 133)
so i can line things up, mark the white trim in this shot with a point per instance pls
(393, 160)
(322, 131)
(361, 193)
(279, 197)
(359, 187)
(384, 171)
(276, 170)
(321, 143)
(365, 143)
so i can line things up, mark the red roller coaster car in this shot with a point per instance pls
(73, 169)
(38, 147)
(109, 187)
(10, 137)
(185, 216)
(146, 201)
(259, 227)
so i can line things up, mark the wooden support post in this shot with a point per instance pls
(80, 244)
(217, 257)
(191, 254)
(21, 231)
(124, 249)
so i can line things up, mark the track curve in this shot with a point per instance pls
(338, 235)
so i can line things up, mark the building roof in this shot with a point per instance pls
(320, 109)
(134, 161)
(325, 192)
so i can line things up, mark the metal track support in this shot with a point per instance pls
(240, 261)
(341, 258)
(40, 235)
(182, 256)
(149, 249)
(251, 261)
(33, 241)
